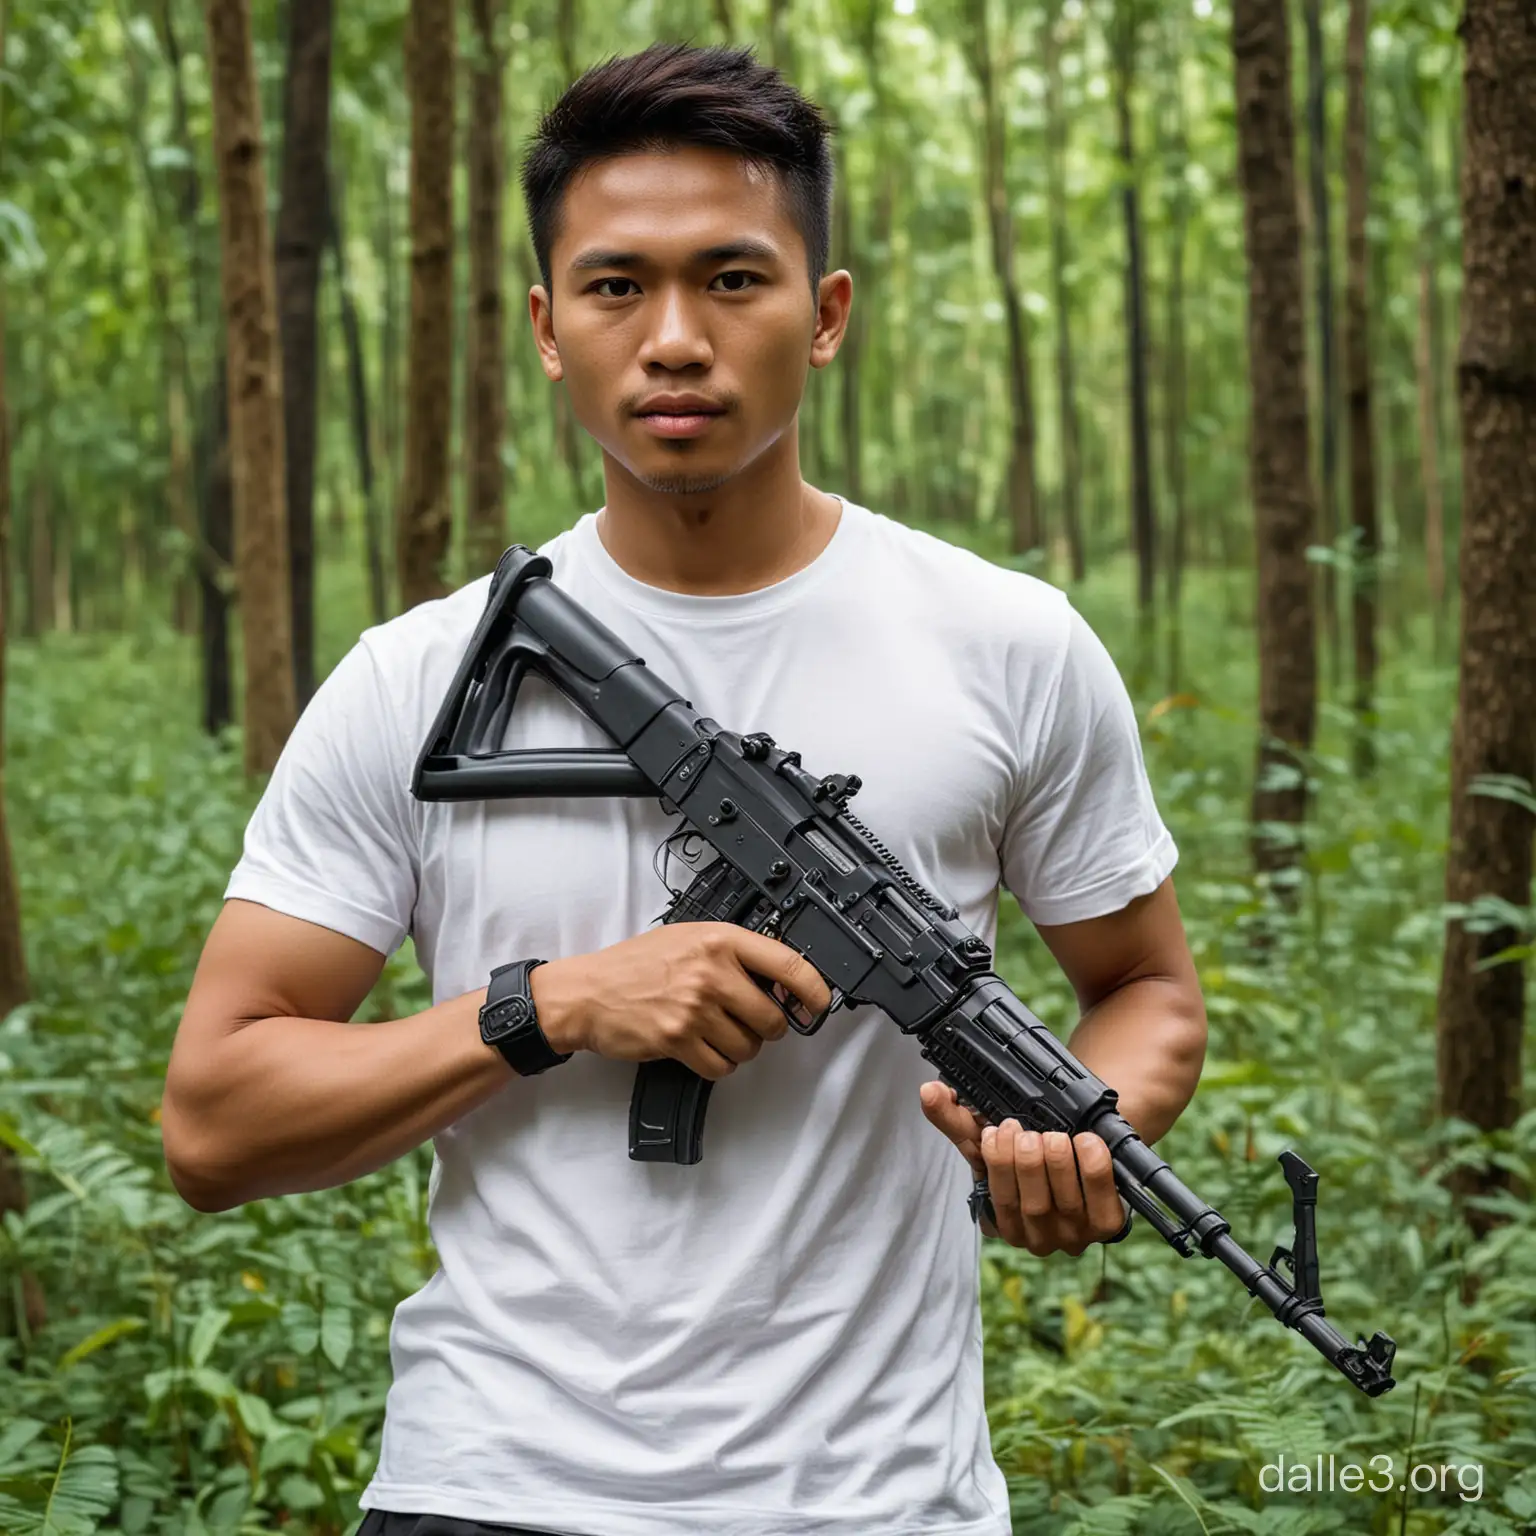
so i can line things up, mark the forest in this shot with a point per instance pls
(1219, 314)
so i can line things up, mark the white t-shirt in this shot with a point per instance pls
(784, 1339)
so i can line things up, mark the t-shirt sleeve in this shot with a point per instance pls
(1083, 837)
(331, 840)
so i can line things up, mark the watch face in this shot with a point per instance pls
(509, 1016)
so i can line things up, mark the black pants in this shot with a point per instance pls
(384, 1522)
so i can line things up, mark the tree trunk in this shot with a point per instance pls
(1357, 366)
(216, 506)
(1143, 513)
(1327, 369)
(1023, 502)
(14, 987)
(485, 416)
(425, 509)
(1061, 299)
(31, 1312)
(255, 388)
(39, 611)
(179, 492)
(1429, 450)
(357, 388)
(1175, 383)
(301, 223)
(1482, 999)
(1278, 433)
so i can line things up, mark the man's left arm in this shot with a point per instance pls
(1142, 1031)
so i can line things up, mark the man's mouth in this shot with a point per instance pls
(683, 420)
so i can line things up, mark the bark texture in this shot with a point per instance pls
(216, 509)
(1278, 433)
(987, 66)
(14, 988)
(1481, 1006)
(425, 517)
(357, 394)
(1143, 513)
(1357, 386)
(1322, 278)
(255, 386)
(301, 225)
(1061, 299)
(485, 414)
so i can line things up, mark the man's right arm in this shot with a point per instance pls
(270, 1091)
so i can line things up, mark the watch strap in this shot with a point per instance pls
(509, 1021)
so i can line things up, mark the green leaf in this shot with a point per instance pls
(301, 1327)
(300, 1494)
(336, 1335)
(97, 1340)
(1505, 786)
(205, 1334)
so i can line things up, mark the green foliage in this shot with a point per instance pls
(227, 1373)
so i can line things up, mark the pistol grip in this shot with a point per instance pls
(666, 1113)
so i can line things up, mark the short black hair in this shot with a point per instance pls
(673, 95)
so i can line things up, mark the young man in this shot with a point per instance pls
(784, 1339)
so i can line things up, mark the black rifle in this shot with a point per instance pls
(792, 861)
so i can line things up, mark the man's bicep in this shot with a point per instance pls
(1145, 938)
(259, 963)
(256, 964)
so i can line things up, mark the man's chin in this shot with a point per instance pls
(679, 483)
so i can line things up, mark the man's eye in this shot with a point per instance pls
(746, 280)
(604, 282)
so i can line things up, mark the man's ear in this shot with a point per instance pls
(541, 312)
(834, 303)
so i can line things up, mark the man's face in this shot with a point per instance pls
(683, 319)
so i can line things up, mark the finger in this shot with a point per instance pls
(1029, 1174)
(997, 1152)
(962, 1127)
(1061, 1175)
(1105, 1213)
(746, 1002)
(731, 1038)
(778, 962)
(704, 1059)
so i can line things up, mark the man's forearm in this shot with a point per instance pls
(297, 1104)
(1146, 1040)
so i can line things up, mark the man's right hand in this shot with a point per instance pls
(682, 990)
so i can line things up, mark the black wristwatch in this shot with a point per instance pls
(510, 1022)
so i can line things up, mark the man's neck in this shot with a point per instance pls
(759, 528)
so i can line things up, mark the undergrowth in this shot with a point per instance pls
(221, 1374)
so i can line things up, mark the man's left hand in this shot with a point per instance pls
(1053, 1193)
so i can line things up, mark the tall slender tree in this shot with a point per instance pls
(1124, 28)
(14, 988)
(357, 392)
(1493, 748)
(425, 511)
(1174, 134)
(485, 405)
(1357, 386)
(15, 984)
(1278, 429)
(1322, 283)
(1061, 292)
(990, 60)
(255, 386)
(301, 226)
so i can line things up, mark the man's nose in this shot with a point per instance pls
(677, 336)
